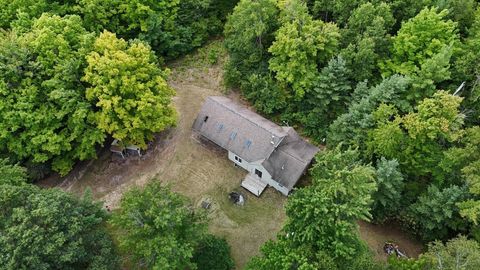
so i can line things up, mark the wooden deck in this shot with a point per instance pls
(253, 184)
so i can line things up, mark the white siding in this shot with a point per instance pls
(266, 177)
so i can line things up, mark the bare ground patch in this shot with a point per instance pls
(377, 235)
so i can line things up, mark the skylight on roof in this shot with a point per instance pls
(248, 143)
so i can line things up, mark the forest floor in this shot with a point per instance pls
(201, 171)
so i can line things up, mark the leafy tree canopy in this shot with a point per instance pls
(467, 68)
(351, 128)
(301, 46)
(129, 89)
(373, 20)
(460, 165)
(367, 40)
(44, 116)
(419, 138)
(213, 253)
(249, 32)
(341, 195)
(49, 229)
(425, 38)
(12, 174)
(436, 215)
(458, 253)
(281, 255)
(159, 228)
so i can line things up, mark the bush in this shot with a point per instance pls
(213, 253)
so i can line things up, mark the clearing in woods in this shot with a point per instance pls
(198, 170)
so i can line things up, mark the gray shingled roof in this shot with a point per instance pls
(283, 153)
(238, 129)
(288, 162)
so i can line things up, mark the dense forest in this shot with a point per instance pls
(390, 88)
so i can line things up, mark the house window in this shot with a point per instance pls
(205, 119)
(258, 173)
(238, 159)
(233, 135)
(248, 143)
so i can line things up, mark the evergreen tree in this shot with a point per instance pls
(328, 98)
(388, 198)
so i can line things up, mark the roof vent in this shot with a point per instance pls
(272, 141)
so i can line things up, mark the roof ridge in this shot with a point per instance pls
(286, 134)
(280, 149)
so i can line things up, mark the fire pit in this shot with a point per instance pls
(236, 198)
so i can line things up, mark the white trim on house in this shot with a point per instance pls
(257, 165)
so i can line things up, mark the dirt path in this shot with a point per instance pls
(377, 235)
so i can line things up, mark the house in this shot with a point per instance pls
(273, 155)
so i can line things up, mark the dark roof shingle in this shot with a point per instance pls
(282, 152)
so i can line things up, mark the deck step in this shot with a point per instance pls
(253, 184)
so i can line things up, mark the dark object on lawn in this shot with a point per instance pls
(206, 204)
(123, 150)
(236, 198)
(391, 248)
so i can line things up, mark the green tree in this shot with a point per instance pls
(301, 46)
(460, 11)
(324, 215)
(361, 58)
(159, 229)
(388, 197)
(328, 98)
(171, 27)
(436, 215)
(459, 253)
(129, 90)
(403, 10)
(395, 263)
(44, 116)
(338, 11)
(265, 93)
(50, 229)
(12, 174)
(281, 255)
(351, 128)
(367, 39)
(213, 253)
(14, 11)
(460, 165)
(249, 32)
(419, 138)
(467, 68)
(422, 50)
(152, 21)
(372, 20)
